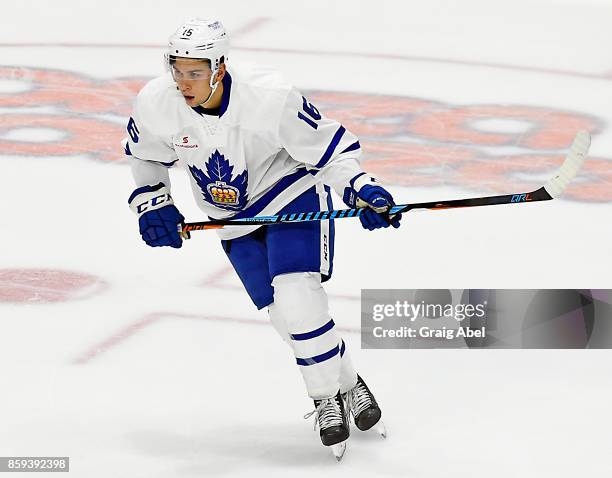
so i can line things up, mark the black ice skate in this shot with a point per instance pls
(361, 403)
(332, 418)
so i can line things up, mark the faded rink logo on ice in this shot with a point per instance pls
(463, 145)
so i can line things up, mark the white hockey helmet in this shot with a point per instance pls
(202, 39)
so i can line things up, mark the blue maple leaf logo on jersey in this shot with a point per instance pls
(218, 187)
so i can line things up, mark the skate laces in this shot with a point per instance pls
(358, 399)
(327, 414)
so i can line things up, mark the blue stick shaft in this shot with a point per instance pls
(518, 198)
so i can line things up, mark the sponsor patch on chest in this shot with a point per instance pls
(186, 142)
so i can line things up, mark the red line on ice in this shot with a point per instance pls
(388, 56)
(123, 334)
(115, 339)
(250, 27)
(214, 281)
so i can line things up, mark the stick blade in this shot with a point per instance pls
(570, 167)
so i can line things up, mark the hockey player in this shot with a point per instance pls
(254, 145)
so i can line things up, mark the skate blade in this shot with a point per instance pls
(381, 429)
(338, 450)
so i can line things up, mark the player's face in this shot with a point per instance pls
(193, 79)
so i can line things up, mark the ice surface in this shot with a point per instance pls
(155, 363)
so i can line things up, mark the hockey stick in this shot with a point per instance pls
(552, 189)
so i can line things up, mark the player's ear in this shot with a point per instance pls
(221, 72)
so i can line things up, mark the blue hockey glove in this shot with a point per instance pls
(159, 220)
(365, 192)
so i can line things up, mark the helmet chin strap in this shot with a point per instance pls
(213, 87)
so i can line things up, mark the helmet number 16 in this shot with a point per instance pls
(312, 112)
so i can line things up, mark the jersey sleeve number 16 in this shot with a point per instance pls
(312, 112)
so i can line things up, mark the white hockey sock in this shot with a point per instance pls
(301, 317)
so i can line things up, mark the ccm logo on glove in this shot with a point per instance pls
(158, 219)
(149, 198)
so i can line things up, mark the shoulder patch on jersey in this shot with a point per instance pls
(218, 187)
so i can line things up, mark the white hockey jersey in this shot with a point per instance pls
(266, 147)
